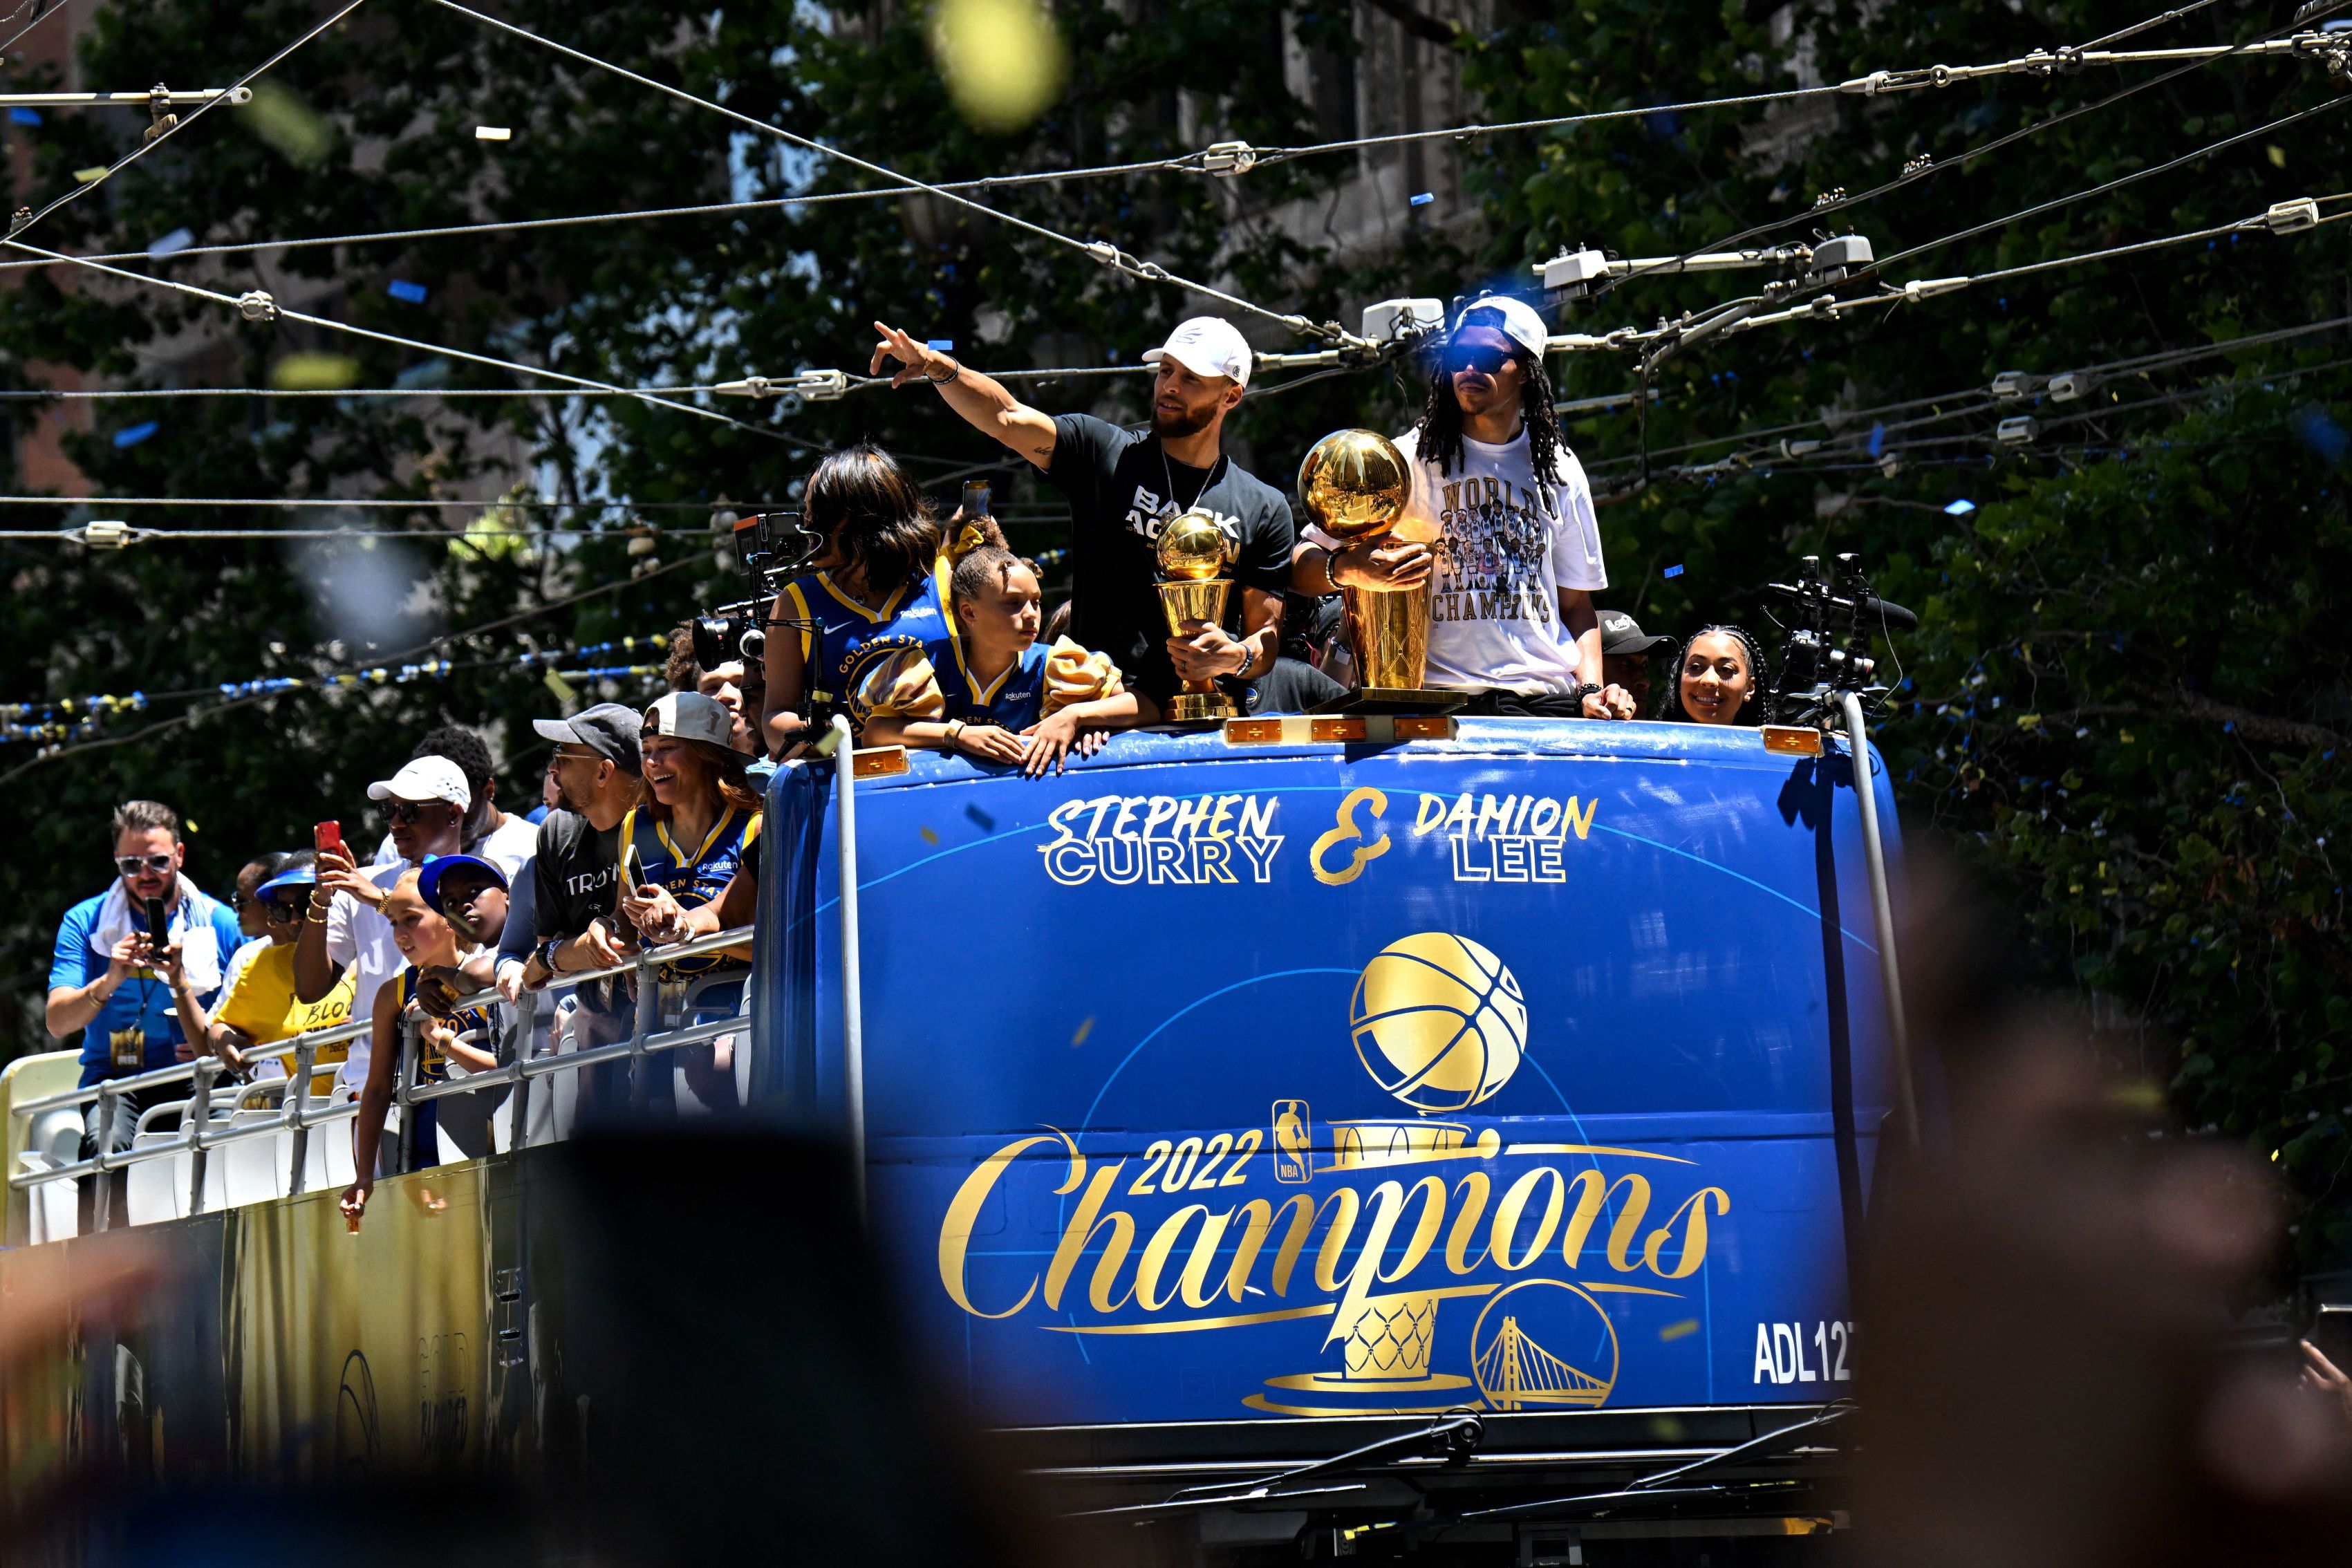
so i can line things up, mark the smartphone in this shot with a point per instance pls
(159, 926)
(632, 871)
(327, 835)
(2331, 1331)
(975, 498)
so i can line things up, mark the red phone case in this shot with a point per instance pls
(327, 835)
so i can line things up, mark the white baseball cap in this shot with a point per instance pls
(426, 778)
(1207, 345)
(691, 716)
(1519, 321)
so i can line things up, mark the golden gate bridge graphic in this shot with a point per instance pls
(1514, 1373)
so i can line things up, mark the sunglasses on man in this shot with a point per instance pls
(132, 865)
(1484, 359)
(407, 811)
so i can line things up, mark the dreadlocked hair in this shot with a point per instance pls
(1751, 706)
(1437, 439)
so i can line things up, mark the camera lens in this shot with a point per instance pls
(754, 644)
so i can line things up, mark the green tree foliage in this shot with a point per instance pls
(2125, 699)
(2128, 699)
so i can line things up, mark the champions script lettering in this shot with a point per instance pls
(1155, 839)
(1350, 1242)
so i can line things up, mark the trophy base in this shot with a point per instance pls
(1200, 707)
(1394, 700)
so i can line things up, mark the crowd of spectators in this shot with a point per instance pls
(920, 632)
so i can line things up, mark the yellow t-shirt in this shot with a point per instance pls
(262, 1007)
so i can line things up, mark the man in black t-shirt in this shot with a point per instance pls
(1123, 486)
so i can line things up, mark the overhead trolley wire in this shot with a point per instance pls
(1101, 251)
(179, 123)
(41, 16)
(1842, 203)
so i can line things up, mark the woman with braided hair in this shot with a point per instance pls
(1502, 516)
(1719, 679)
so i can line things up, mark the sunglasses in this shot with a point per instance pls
(407, 811)
(1480, 357)
(132, 865)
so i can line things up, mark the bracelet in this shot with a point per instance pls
(314, 914)
(942, 381)
(1249, 660)
(1331, 578)
(546, 955)
(955, 734)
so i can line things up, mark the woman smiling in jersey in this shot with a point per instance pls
(872, 594)
(988, 690)
(694, 827)
(1719, 681)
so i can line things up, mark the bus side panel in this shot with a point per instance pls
(1304, 1084)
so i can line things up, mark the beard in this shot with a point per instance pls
(1176, 427)
(564, 801)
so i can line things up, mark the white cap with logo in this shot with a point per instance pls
(1519, 321)
(691, 716)
(1207, 345)
(426, 778)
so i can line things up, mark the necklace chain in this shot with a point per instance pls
(1169, 473)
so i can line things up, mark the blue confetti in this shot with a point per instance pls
(1673, 570)
(944, 345)
(133, 435)
(1877, 439)
(987, 822)
(20, 115)
(1959, 508)
(410, 293)
(1424, 199)
(179, 239)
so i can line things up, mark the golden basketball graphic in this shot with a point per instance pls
(1439, 1021)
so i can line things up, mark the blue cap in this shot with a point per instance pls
(429, 881)
(302, 879)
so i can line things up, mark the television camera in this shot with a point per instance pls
(1825, 651)
(770, 546)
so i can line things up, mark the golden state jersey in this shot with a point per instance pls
(693, 874)
(1014, 701)
(841, 639)
(432, 1065)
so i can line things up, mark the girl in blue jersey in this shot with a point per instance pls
(872, 595)
(467, 1036)
(987, 689)
(694, 826)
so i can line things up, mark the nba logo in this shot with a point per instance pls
(1294, 1142)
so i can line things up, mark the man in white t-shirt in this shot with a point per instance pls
(427, 801)
(1515, 558)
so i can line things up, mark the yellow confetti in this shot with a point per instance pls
(1086, 1028)
(930, 836)
(1683, 1330)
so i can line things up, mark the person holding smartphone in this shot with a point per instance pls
(112, 980)
(343, 926)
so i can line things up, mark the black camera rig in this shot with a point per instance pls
(770, 546)
(1825, 648)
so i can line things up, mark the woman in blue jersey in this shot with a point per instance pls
(696, 824)
(988, 690)
(873, 593)
(467, 1036)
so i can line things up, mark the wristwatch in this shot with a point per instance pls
(1584, 688)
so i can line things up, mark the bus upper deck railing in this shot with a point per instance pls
(300, 1110)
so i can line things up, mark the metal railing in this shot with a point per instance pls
(300, 1110)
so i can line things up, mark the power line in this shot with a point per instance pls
(1101, 251)
(259, 306)
(1913, 174)
(166, 131)
(41, 16)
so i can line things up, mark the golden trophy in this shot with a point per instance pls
(1192, 552)
(1354, 485)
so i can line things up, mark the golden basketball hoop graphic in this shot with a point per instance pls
(1385, 1346)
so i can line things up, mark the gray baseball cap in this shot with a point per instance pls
(608, 730)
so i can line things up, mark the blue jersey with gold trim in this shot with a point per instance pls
(432, 1064)
(848, 639)
(1014, 701)
(693, 874)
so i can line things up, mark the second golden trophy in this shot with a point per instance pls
(1193, 555)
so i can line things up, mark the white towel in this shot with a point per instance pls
(191, 919)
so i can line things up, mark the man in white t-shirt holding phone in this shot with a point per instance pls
(1515, 558)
